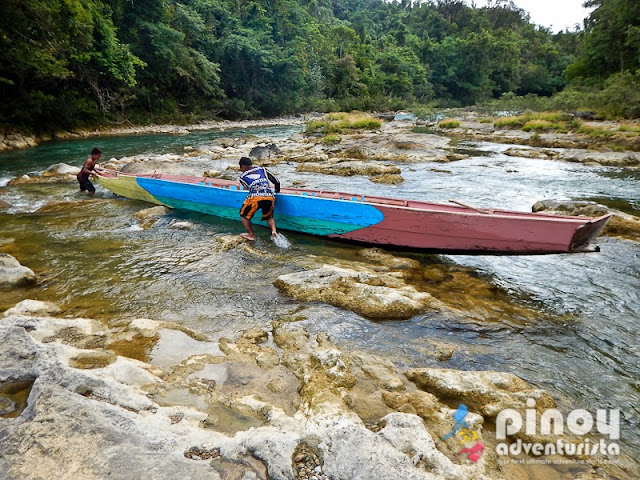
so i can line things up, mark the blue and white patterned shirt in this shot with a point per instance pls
(256, 180)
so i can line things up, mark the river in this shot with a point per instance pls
(584, 347)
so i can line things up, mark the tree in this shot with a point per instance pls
(56, 55)
(611, 40)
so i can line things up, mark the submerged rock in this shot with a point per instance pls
(227, 242)
(13, 274)
(182, 226)
(367, 293)
(149, 216)
(387, 179)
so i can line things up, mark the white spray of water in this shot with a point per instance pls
(281, 241)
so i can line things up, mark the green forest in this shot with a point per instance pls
(65, 64)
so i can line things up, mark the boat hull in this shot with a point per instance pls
(379, 221)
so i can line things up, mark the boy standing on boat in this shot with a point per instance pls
(256, 180)
(87, 170)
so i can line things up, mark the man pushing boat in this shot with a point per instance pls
(261, 196)
(88, 170)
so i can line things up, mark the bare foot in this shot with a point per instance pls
(247, 236)
(274, 235)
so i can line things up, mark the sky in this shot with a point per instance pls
(555, 14)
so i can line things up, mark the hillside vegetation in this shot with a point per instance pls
(71, 63)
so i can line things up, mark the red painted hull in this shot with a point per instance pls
(445, 228)
(473, 232)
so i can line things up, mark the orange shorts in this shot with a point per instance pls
(251, 205)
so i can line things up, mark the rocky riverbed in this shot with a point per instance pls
(589, 142)
(117, 396)
(91, 400)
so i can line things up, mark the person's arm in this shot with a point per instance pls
(94, 168)
(243, 183)
(273, 180)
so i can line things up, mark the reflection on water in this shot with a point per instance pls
(578, 339)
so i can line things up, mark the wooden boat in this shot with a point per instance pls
(372, 220)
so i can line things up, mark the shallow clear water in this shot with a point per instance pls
(96, 261)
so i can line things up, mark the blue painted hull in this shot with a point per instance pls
(302, 213)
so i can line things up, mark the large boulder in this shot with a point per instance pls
(263, 152)
(367, 293)
(569, 207)
(532, 153)
(13, 274)
(622, 224)
(60, 169)
(348, 168)
(33, 307)
(76, 425)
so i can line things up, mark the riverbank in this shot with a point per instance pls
(13, 140)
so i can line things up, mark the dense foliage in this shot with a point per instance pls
(607, 73)
(68, 63)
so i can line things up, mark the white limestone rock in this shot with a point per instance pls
(13, 274)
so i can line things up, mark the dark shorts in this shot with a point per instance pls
(86, 185)
(252, 204)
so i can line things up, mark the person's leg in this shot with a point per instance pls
(247, 225)
(266, 205)
(247, 210)
(272, 224)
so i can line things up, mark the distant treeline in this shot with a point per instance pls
(71, 63)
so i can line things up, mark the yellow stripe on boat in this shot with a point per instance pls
(127, 186)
